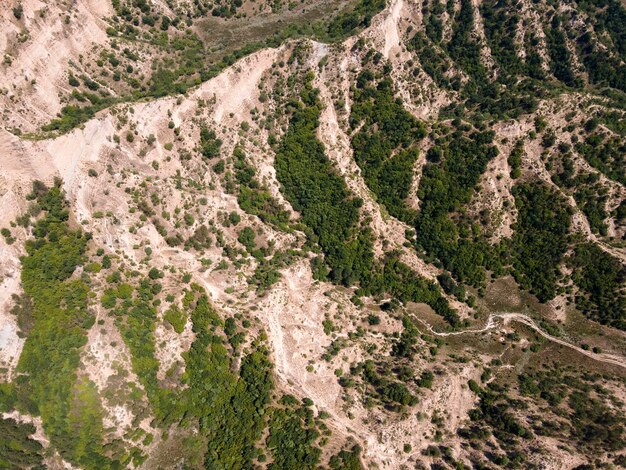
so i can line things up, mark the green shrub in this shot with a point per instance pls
(177, 318)
(69, 408)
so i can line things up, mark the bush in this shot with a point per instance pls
(210, 145)
(18, 11)
(177, 318)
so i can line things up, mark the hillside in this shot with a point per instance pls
(317, 234)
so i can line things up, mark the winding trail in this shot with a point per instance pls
(526, 320)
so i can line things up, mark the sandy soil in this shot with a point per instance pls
(32, 104)
(294, 311)
(10, 343)
(392, 36)
(105, 354)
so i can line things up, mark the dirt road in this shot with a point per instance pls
(492, 322)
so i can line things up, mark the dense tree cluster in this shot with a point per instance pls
(17, 448)
(600, 279)
(494, 409)
(590, 421)
(541, 238)
(608, 16)
(234, 408)
(495, 415)
(314, 189)
(505, 96)
(393, 394)
(589, 193)
(329, 210)
(136, 318)
(253, 197)
(591, 198)
(433, 62)
(501, 20)
(448, 182)
(358, 17)
(293, 436)
(606, 154)
(399, 280)
(384, 146)
(49, 385)
(515, 159)
(560, 60)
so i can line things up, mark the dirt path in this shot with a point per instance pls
(526, 320)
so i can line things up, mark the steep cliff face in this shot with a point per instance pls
(395, 241)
